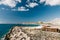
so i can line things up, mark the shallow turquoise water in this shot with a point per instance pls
(4, 28)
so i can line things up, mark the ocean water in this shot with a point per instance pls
(4, 28)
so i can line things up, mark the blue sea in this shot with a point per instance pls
(4, 28)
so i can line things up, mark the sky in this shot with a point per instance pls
(16, 11)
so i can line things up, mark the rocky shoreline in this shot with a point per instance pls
(28, 33)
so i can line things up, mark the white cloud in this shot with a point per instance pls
(18, 1)
(22, 8)
(51, 2)
(32, 5)
(11, 3)
(2, 8)
(41, 1)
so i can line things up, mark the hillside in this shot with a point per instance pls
(28, 33)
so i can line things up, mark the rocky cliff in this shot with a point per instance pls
(29, 33)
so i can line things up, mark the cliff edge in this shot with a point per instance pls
(29, 33)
